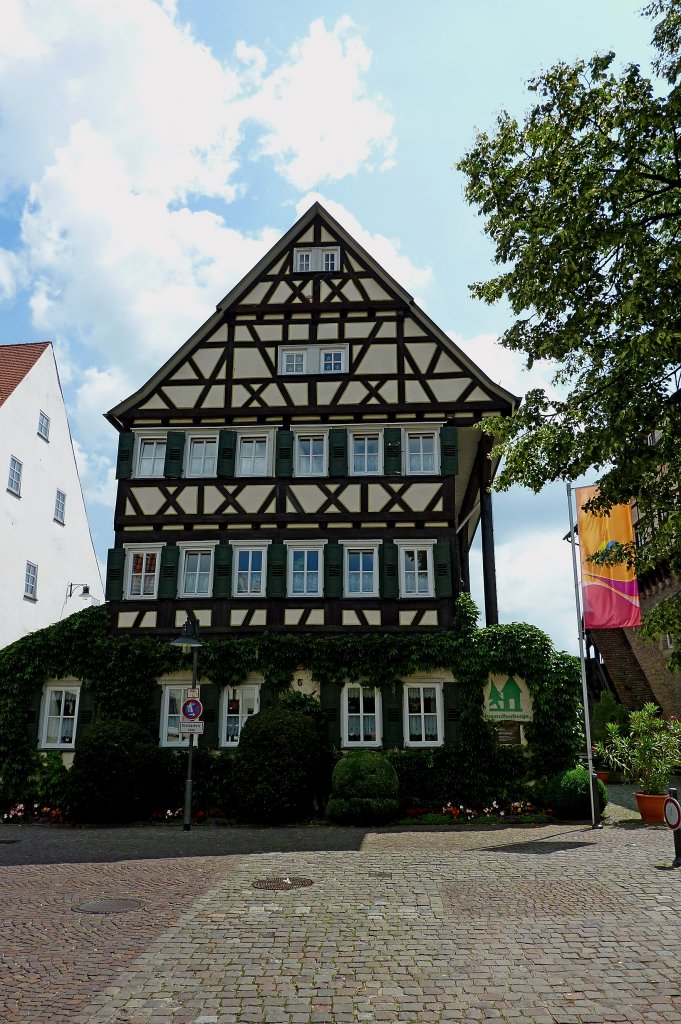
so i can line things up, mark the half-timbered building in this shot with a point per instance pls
(306, 461)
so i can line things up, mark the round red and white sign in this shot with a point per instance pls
(672, 812)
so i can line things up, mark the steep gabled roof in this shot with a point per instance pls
(15, 362)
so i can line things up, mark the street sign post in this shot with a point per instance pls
(191, 728)
(672, 815)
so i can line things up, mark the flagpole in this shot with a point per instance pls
(585, 696)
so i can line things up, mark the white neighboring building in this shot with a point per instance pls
(48, 567)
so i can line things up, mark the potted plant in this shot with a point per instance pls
(646, 757)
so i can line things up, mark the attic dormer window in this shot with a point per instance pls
(316, 259)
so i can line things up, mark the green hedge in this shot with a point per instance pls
(435, 777)
(568, 795)
(364, 789)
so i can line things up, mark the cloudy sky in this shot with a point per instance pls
(153, 151)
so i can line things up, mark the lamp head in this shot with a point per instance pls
(188, 639)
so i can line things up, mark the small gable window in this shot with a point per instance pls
(43, 426)
(332, 360)
(316, 259)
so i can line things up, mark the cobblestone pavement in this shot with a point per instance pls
(555, 924)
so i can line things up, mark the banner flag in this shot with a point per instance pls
(609, 592)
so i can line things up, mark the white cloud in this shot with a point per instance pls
(504, 366)
(386, 251)
(320, 123)
(97, 477)
(11, 271)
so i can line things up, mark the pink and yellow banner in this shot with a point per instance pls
(609, 592)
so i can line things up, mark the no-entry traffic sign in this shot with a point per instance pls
(672, 812)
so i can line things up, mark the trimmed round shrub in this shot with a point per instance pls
(567, 794)
(364, 788)
(116, 776)
(276, 766)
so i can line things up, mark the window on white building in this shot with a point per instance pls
(361, 571)
(416, 570)
(31, 581)
(253, 456)
(60, 507)
(329, 259)
(203, 454)
(249, 572)
(311, 455)
(366, 454)
(305, 571)
(14, 479)
(303, 261)
(59, 717)
(332, 360)
(293, 360)
(423, 719)
(238, 703)
(197, 571)
(152, 455)
(421, 452)
(171, 716)
(360, 716)
(43, 426)
(143, 565)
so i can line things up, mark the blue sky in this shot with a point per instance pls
(153, 151)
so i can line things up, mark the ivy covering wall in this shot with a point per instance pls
(119, 675)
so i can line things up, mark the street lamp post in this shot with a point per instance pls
(188, 640)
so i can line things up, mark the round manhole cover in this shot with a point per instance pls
(285, 882)
(108, 906)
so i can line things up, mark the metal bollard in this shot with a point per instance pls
(676, 863)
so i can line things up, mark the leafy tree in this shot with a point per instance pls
(583, 203)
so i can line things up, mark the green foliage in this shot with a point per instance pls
(606, 709)
(364, 789)
(649, 754)
(117, 774)
(50, 783)
(276, 766)
(582, 201)
(568, 795)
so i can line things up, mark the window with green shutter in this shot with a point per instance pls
(284, 458)
(451, 698)
(449, 451)
(222, 571)
(126, 446)
(392, 451)
(388, 567)
(276, 570)
(115, 568)
(338, 452)
(333, 570)
(167, 583)
(393, 734)
(174, 454)
(227, 453)
(443, 570)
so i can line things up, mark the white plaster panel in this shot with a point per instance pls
(237, 616)
(326, 391)
(215, 397)
(373, 616)
(316, 617)
(212, 499)
(257, 294)
(149, 499)
(307, 236)
(204, 616)
(185, 372)
(379, 359)
(219, 334)
(248, 362)
(378, 498)
(310, 497)
(207, 359)
(327, 331)
(422, 352)
(414, 392)
(350, 617)
(325, 235)
(354, 394)
(298, 392)
(239, 395)
(448, 390)
(406, 618)
(148, 621)
(183, 397)
(126, 619)
(374, 290)
(351, 497)
(419, 495)
(478, 395)
(387, 330)
(188, 499)
(272, 396)
(388, 391)
(280, 293)
(446, 364)
(351, 292)
(358, 328)
(242, 333)
(259, 617)
(269, 332)
(155, 402)
(429, 618)
(252, 497)
(292, 616)
(298, 332)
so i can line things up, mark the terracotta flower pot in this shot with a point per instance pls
(651, 807)
(603, 776)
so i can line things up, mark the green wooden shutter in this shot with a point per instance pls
(86, 714)
(392, 451)
(451, 707)
(442, 567)
(276, 570)
(174, 454)
(115, 568)
(329, 698)
(449, 451)
(210, 697)
(268, 696)
(227, 453)
(388, 568)
(338, 452)
(393, 733)
(333, 570)
(222, 571)
(126, 445)
(167, 583)
(284, 461)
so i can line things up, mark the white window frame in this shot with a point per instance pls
(360, 545)
(410, 431)
(31, 581)
(196, 547)
(331, 350)
(345, 740)
(439, 711)
(145, 549)
(45, 716)
(193, 439)
(60, 507)
(43, 426)
(245, 691)
(330, 250)
(247, 545)
(254, 435)
(292, 350)
(365, 432)
(16, 471)
(303, 435)
(303, 545)
(317, 259)
(418, 545)
(140, 448)
(164, 741)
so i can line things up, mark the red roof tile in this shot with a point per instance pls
(15, 362)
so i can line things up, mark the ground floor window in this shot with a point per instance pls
(238, 703)
(60, 714)
(423, 720)
(361, 716)
(171, 716)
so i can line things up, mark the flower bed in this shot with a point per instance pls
(518, 812)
